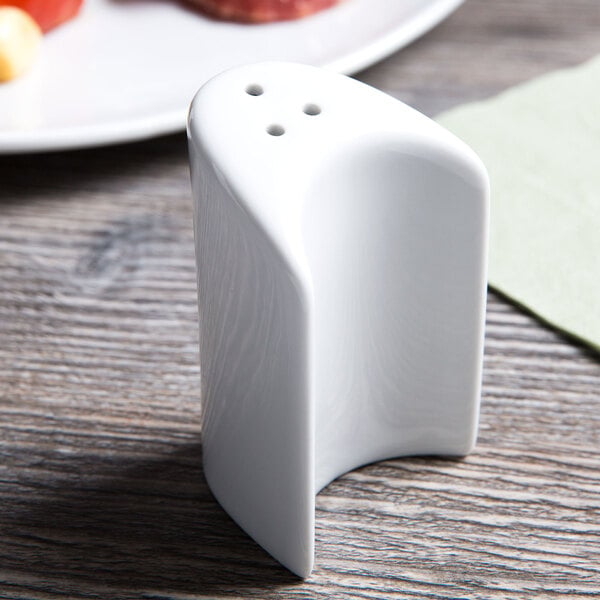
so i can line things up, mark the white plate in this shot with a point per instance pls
(127, 69)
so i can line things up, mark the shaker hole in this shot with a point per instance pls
(255, 90)
(312, 110)
(275, 130)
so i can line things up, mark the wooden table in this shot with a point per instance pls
(101, 486)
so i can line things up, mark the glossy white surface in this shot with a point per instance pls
(341, 276)
(126, 70)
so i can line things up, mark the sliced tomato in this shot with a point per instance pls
(47, 13)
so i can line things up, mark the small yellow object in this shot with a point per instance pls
(20, 38)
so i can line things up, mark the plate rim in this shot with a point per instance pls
(173, 121)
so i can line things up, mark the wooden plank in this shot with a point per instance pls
(101, 486)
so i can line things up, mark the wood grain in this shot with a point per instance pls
(101, 486)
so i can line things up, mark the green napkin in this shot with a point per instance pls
(541, 144)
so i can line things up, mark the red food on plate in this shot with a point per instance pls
(47, 13)
(261, 11)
